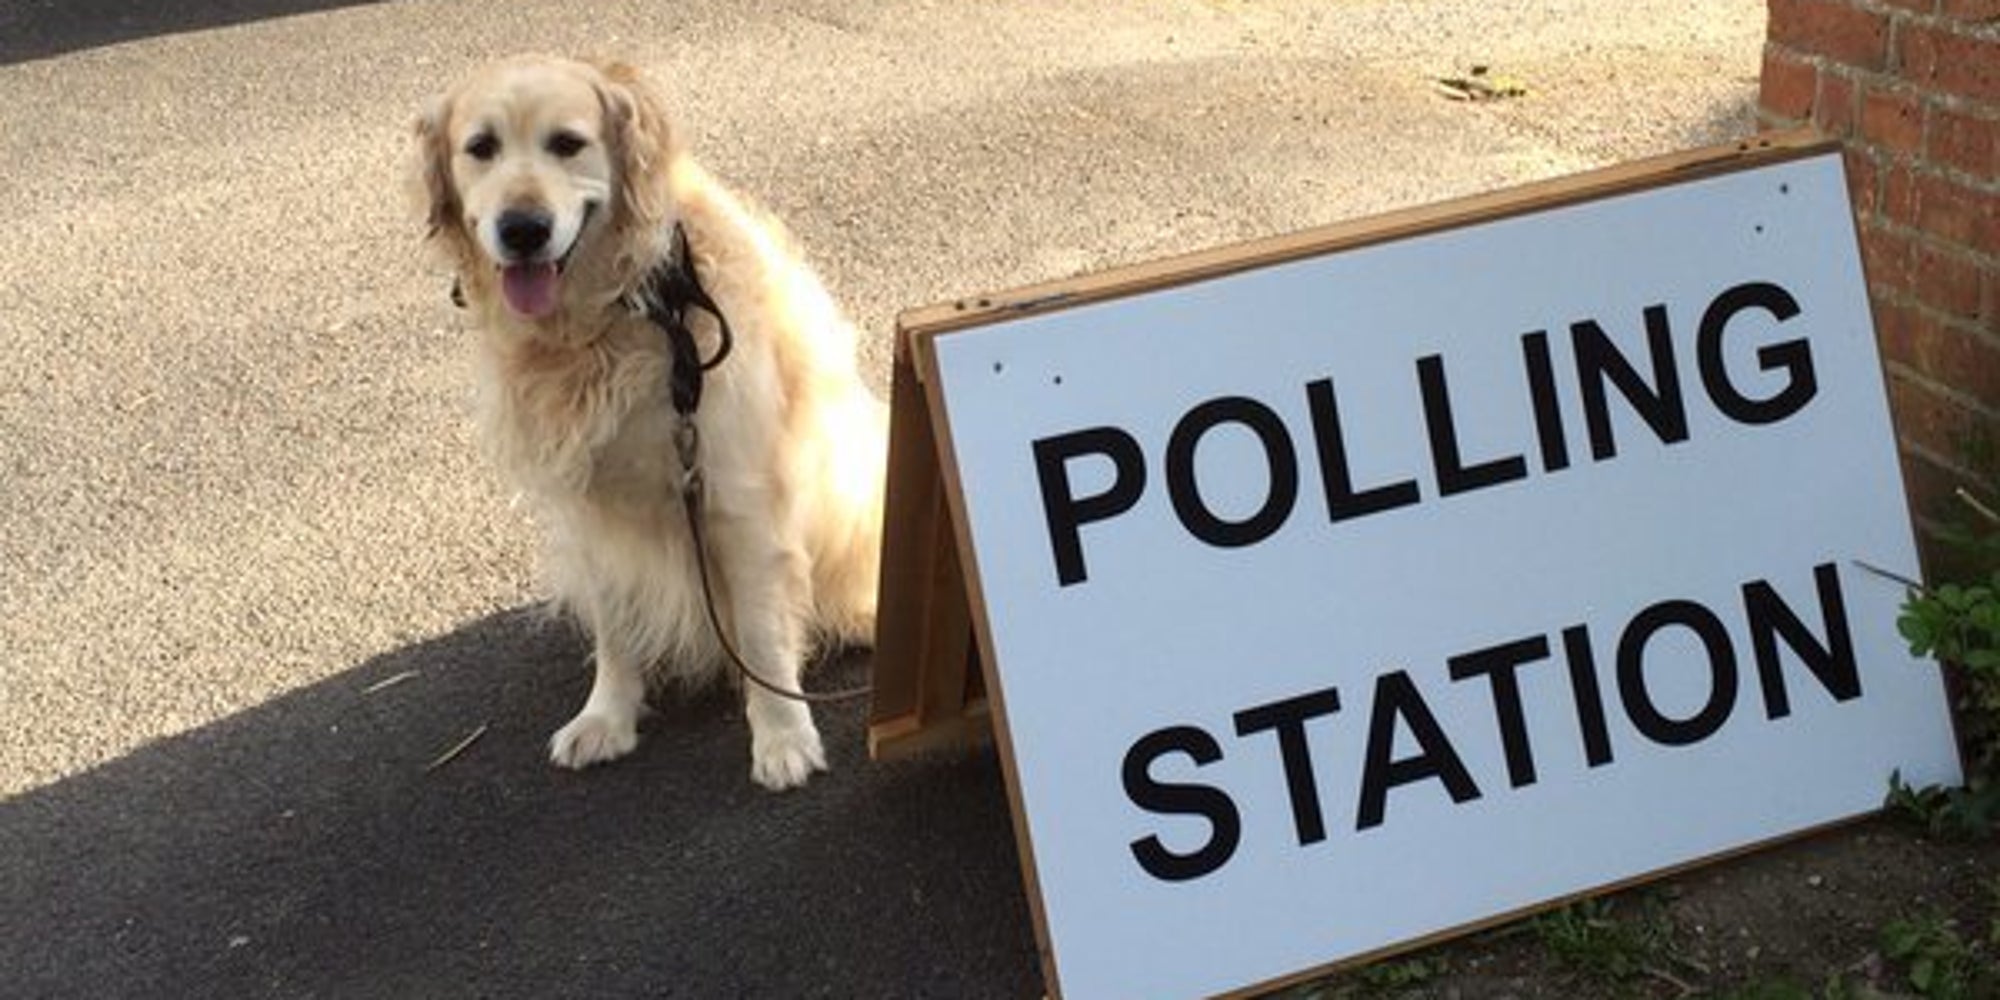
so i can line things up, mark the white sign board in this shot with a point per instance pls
(1341, 602)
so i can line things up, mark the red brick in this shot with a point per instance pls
(1899, 194)
(1962, 215)
(1840, 31)
(1930, 487)
(1899, 328)
(1949, 353)
(1885, 255)
(1971, 10)
(1944, 209)
(1836, 104)
(1893, 119)
(1938, 58)
(1933, 422)
(1864, 181)
(1965, 141)
(1946, 278)
(1787, 85)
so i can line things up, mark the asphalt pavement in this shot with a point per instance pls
(238, 488)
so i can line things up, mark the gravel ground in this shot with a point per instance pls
(234, 447)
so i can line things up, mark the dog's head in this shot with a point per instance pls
(535, 168)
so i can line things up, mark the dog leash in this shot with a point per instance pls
(673, 289)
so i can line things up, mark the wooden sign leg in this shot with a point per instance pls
(929, 693)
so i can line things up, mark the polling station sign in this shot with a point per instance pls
(1337, 602)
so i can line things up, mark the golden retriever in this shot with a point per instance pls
(553, 190)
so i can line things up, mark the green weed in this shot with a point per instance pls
(1394, 977)
(1958, 624)
(1939, 964)
(1589, 938)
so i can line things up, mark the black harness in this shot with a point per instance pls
(671, 289)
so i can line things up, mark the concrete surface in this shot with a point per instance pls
(239, 487)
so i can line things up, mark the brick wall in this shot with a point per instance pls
(1913, 88)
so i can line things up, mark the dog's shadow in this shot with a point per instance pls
(306, 848)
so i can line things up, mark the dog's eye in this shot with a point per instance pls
(483, 146)
(566, 144)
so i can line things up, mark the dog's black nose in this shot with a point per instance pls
(524, 232)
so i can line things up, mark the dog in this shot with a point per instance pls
(556, 190)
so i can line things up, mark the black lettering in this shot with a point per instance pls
(1067, 513)
(1588, 694)
(1283, 466)
(1342, 499)
(1660, 404)
(1832, 662)
(1794, 356)
(1181, 799)
(1397, 698)
(1500, 665)
(1288, 719)
(1542, 393)
(1645, 715)
(1453, 475)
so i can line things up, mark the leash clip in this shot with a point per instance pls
(687, 445)
(687, 441)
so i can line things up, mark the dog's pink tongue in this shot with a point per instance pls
(530, 288)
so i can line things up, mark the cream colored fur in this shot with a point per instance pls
(573, 405)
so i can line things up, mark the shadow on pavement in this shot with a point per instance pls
(301, 849)
(38, 29)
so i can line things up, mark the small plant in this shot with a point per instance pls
(1587, 937)
(1938, 963)
(1388, 978)
(1958, 624)
(1396, 977)
(1965, 813)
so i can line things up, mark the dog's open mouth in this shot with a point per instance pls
(534, 288)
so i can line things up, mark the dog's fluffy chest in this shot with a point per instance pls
(585, 423)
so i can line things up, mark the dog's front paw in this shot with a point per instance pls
(785, 758)
(593, 738)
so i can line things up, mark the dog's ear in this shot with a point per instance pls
(643, 145)
(432, 170)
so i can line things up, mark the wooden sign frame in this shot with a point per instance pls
(934, 653)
